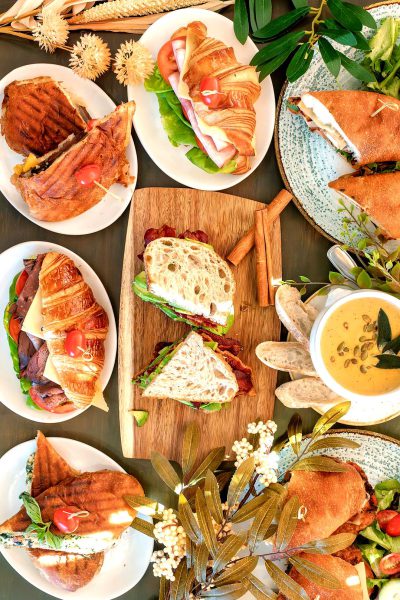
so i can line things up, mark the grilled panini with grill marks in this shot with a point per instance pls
(38, 114)
(51, 189)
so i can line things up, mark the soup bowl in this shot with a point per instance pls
(346, 354)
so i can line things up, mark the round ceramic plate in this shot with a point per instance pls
(124, 564)
(307, 162)
(10, 391)
(147, 120)
(378, 456)
(98, 104)
(362, 412)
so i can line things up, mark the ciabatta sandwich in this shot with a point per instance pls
(197, 372)
(38, 114)
(51, 188)
(186, 279)
(364, 126)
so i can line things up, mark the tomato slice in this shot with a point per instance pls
(384, 517)
(14, 328)
(200, 145)
(210, 92)
(19, 286)
(166, 61)
(390, 564)
(41, 402)
(393, 527)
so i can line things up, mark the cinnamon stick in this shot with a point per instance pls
(272, 233)
(261, 259)
(246, 243)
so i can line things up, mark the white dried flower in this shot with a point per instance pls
(171, 534)
(133, 63)
(90, 56)
(266, 462)
(51, 31)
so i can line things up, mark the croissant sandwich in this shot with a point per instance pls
(55, 187)
(216, 94)
(56, 332)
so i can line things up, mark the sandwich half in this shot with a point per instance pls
(38, 114)
(197, 372)
(377, 192)
(186, 279)
(350, 121)
(51, 188)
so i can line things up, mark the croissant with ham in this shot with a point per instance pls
(68, 304)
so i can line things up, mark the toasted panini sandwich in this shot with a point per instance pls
(376, 192)
(69, 571)
(364, 126)
(51, 187)
(38, 114)
(197, 371)
(186, 279)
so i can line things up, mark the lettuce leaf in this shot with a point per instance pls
(385, 493)
(202, 160)
(383, 60)
(156, 83)
(376, 535)
(373, 555)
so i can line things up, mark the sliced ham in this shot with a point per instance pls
(179, 48)
(219, 157)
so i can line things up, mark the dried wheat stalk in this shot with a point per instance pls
(116, 9)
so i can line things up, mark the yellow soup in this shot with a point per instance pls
(349, 346)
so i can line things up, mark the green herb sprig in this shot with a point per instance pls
(390, 347)
(343, 24)
(42, 530)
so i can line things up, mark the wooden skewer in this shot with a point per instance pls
(261, 259)
(107, 191)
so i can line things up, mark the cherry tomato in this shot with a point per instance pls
(75, 343)
(88, 174)
(384, 517)
(390, 564)
(90, 124)
(166, 61)
(393, 527)
(14, 328)
(66, 519)
(210, 92)
(43, 403)
(200, 145)
(19, 286)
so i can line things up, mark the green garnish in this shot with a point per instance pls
(140, 416)
(42, 530)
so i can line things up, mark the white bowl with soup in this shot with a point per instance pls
(344, 347)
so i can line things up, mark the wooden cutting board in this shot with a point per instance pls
(225, 218)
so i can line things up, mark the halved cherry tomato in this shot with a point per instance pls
(166, 61)
(393, 527)
(210, 91)
(390, 564)
(88, 174)
(66, 519)
(384, 517)
(41, 403)
(19, 286)
(14, 328)
(75, 343)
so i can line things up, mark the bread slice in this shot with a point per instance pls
(191, 276)
(194, 373)
(49, 468)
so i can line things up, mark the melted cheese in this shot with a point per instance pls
(360, 568)
(33, 322)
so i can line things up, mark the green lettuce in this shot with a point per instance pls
(383, 59)
(385, 493)
(373, 555)
(202, 160)
(376, 535)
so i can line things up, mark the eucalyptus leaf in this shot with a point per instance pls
(205, 523)
(319, 463)
(259, 590)
(270, 66)
(211, 462)
(346, 17)
(212, 496)
(388, 361)
(190, 546)
(314, 573)
(363, 15)
(201, 555)
(340, 35)
(146, 506)
(300, 62)
(274, 48)
(233, 591)
(190, 446)
(282, 23)
(241, 21)
(177, 589)
(252, 15)
(240, 480)
(164, 589)
(238, 571)
(330, 545)
(249, 509)
(332, 441)
(361, 73)
(362, 42)
(222, 479)
(263, 12)
(393, 345)
(143, 526)
(189, 582)
(166, 471)
(287, 523)
(384, 329)
(227, 551)
(188, 520)
(329, 418)
(299, 3)
(295, 434)
(262, 521)
(285, 584)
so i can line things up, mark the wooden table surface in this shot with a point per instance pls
(304, 252)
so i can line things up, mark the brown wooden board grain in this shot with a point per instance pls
(225, 218)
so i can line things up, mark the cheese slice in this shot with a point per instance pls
(360, 568)
(33, 322)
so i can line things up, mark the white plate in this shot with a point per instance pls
(10, 391)
(147, 120)
(98, 104)
(362, 412)
(124, 565)
(307, 161)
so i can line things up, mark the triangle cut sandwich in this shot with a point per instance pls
(198, 371)
(56, 333)
(186, 279)
(363, 126)
(57, 186)
(38, 114)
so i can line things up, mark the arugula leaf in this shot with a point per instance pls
(203, 161)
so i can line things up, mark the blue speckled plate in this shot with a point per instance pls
(306, 161)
